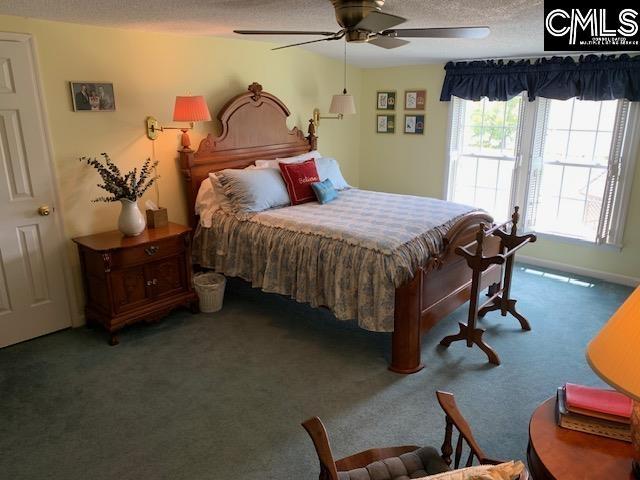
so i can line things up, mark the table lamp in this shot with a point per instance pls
(614, 354)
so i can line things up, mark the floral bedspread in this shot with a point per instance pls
(348, 255)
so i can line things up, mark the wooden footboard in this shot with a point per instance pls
(435, 291)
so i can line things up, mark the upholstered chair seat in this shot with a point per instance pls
(419, 463)
(401, 462)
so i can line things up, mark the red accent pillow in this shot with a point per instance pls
(298, 177)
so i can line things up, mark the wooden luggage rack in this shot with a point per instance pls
(499, 293)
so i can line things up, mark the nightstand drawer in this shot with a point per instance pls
(147, 252)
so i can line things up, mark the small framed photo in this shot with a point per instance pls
(386, 101)
(92, 96)
(415, 99)
(414, 124)
(386, 124)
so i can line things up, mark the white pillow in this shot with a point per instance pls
(297, 159)
(210, 198)
(253, 190)
(328, 167)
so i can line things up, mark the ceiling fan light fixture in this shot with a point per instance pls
(357, 36)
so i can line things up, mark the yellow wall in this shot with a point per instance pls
(415, 164)
(401, 163)
(148, 70)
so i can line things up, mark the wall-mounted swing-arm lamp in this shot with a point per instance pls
(187, 109)
(341, 105)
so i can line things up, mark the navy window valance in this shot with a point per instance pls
(591, 77)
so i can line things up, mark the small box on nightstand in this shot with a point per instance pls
(157, 218)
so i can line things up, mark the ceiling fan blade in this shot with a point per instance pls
(377, 21)
(305, 43)
(446, 32)
(282, 32)
(387, 42)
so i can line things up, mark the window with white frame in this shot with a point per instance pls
(567, 163)
(483, 153)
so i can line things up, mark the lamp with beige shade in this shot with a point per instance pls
(614, 354)
(341, 105)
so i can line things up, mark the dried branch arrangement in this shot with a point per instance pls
(129, 186)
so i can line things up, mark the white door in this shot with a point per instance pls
(33, 298)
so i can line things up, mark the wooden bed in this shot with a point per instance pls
(254, 127)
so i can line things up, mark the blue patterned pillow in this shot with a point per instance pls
(325, 192)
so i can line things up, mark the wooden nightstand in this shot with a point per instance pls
(558, 453)
(133, 279)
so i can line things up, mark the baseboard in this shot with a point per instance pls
(78, 320)
(587, 272)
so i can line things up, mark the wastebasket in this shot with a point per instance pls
(210, 289)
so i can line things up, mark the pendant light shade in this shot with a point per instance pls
(343, 104)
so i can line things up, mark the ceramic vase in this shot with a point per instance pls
(131, 222)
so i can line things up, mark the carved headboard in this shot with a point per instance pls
(254, 127)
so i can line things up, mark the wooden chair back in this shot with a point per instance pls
(454, 418)
(318, 434)
(329, 467)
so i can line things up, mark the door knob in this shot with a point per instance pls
(44, 210)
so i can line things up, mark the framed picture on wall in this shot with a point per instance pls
(386, 100)
(386, 124)
(415, 99)
(92, 96)
(414, 124)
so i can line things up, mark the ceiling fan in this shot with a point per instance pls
(362, 21)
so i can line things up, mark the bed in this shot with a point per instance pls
(413, 255)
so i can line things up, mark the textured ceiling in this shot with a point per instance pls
(516, 25)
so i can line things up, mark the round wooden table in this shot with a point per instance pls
(562, 454)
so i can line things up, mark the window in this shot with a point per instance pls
(484, 154)
(575, 143)
(567, 162)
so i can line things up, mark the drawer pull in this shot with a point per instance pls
(152, 250)
(152, 282)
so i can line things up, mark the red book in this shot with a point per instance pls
(583, 400)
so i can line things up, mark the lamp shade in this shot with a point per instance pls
(191, 109)
(343, 104)
(614, 352)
